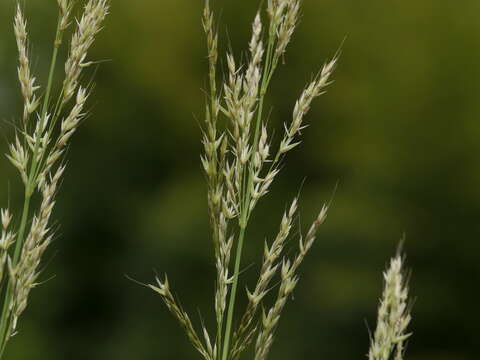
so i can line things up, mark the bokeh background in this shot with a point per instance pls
(399, 131)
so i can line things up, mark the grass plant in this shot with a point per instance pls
(42, 134)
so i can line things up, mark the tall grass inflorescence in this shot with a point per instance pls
(241, 162)
(388, 341)
(42, 136)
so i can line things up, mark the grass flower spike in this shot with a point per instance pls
(37, 152)
(241, 162)
(393, 316)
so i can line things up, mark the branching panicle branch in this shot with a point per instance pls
(88, 27)
(163, 288)
(289, 280)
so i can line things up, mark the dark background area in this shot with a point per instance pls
(399, 131)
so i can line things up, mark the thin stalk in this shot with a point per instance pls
(46, 100)
(233, 293)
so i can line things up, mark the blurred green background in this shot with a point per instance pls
(399, 131)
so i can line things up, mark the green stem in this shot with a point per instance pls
(50, 80)
(233, 294)
(35, 171)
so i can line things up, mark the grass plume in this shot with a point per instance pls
(393, 315)
(241, 162)
(42, 135)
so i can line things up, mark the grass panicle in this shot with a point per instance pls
(37, 152)
(241, 162)
(393, 315)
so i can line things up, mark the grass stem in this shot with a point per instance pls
(231, 306)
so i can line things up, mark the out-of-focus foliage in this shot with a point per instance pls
(399, 131)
